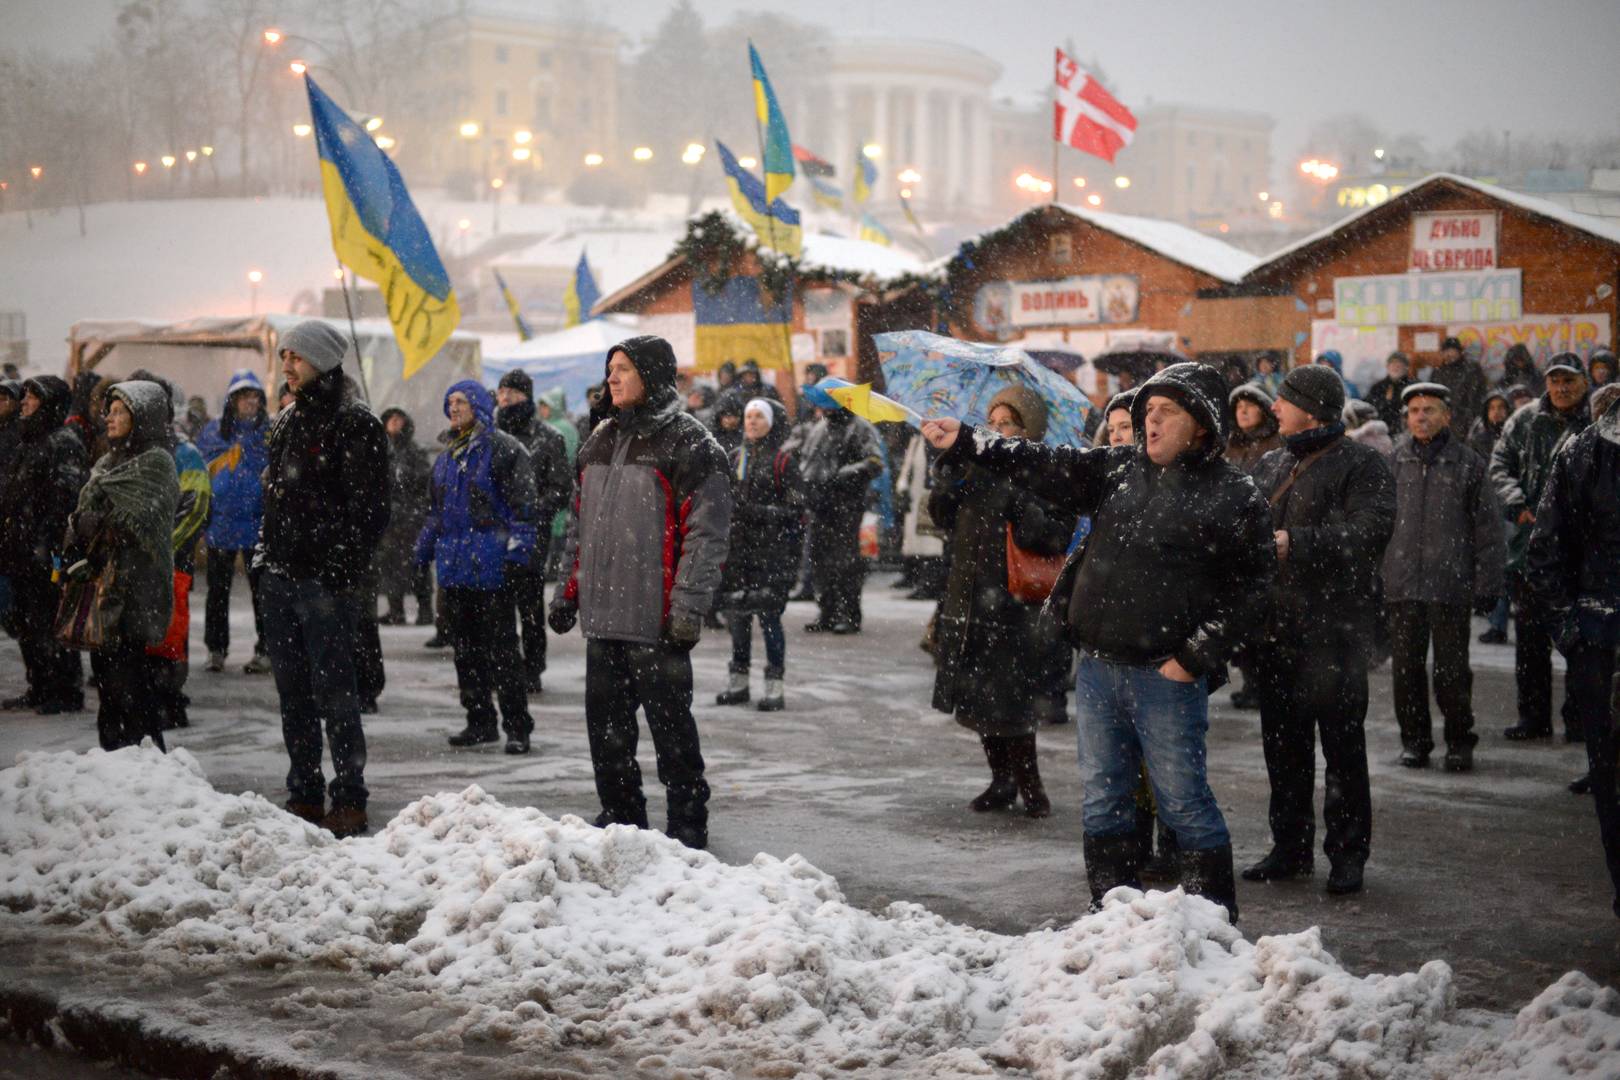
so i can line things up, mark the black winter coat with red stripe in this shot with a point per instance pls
(652, 509)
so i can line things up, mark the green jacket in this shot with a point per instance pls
(1523, 459)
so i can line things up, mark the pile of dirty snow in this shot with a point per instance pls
(567, 935)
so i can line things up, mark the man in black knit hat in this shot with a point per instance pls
(1333, 510)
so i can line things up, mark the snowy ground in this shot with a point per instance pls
(483, 931)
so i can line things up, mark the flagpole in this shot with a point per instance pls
(1056, 146)
(354, 335)
(770, 228)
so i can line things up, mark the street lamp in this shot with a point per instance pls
(384, 142)
(1079, 181)
(521, 153)
(297, 67)
(168, 161)
(191, 156)
(36, 171)
(1094, 200)
(254, 277)
(208, 151)
(373, 123)
(748, 162)
(523, 137)
(872, 150)
(273, 36)
(469, 129)
(693, 153)
(1265, 196)
(140, 168)
(593, 159)
(909, 176)
(1122, 182)
(642, 153)
(301, 130)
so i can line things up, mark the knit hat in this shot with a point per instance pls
(1317, 389)
(760, 405)
(1427, 389)
(1196, 387)
(317, 343)
(1452, 343)
(1028, 405)
(1601, 356)
(518, 379)
(1566, 361)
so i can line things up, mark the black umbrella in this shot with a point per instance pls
(1141, 361)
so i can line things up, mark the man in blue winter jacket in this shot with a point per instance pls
(234, 448)
(480, 528)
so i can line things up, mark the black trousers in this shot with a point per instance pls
(369, 676)
(527, 589)
(1411, 626)
(55, 675)
(217, 609)
(621, 676)
(1311, 683)
(1597, 699)
(131, 705)
(1532, 664)
(480, 625)
(836, 565)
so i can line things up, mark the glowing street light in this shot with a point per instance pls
(748, 162)
(1265, 196)
(1379, 153)
(297, 67)
(872, 150)
(905, 193)
(373, 123)
(273, 36)
(1275, 209)
(693, 153)
(140, 168)
(521, 153)
(469, 129)
(1122, 182)
(523, 137)
(497, 183)
(208, 151)
(464, 224)
(593, 159)
(1079, 181)
(191, 155)
(168, 161)
(1094, 200)
(337, 274)
(909, 176)
(36, 171)
(642, 153)
(1322, 171)
(385, 142)
(301, 130)
(254, 277)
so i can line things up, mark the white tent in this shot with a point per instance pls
(199, 355)
(572, 359)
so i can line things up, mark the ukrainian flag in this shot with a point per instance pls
(778, 147)
(863, 401)
(378, 234)
(776, 224)
(829, 195)
(735, 324)
(582, 294)
(873, 231)
(512, 305)
(865, 177)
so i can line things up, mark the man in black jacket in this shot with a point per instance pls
(1332, 509)
(552, 485)
(1574, 569)
(43, 478)
(1155, 600)
(1385, 394)
(410, 477)
(325, 509)
(1446, 558)
(840, 457)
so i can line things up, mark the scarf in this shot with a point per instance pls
(137, 493)
(1305, 443)
(1429, 452)
(461, 441)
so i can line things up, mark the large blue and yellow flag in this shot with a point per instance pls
(736, 324)
(378, 234)
(512, 305)
(778, 164)
(865, 177)
(581, 295)
(871, 230)
(777, 223)
(827, 194)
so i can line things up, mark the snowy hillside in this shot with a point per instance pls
(564, 934)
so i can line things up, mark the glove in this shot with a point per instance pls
(562, 615)
(684, 629)
(1566, 635)
(1484, 605)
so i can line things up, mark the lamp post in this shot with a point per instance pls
(254, 277)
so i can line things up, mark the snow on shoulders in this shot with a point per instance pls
(622, 937)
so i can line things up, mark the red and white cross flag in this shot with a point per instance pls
(1087, 117)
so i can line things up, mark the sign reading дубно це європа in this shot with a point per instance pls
(1464, 240)
(1428, 299)
(1073, 301)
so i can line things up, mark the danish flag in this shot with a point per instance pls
(1087, 117)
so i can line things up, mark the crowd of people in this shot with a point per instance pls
(1284, 525)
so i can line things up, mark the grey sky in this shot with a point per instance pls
(1435, 67)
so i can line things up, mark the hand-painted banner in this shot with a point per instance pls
(1464, 240)
(1428, 299)
(1544, 335)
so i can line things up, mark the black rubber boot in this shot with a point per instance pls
(1026, 773)
(1003, 791)
(1162, 867)
(1108, 864)
(1209, 874)
(1282, 864)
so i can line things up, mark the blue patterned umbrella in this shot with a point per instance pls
(941, 376)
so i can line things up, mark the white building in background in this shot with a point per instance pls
(925, 104)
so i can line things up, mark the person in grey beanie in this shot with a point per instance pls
(326, 505)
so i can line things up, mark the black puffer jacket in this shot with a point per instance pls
(1449, 546)
(1339, 515)
(1574, 552)
(553, 479)
(1523, 460)
(43, 478)
(1178, 556)
(767, 510)
(326, 490)
(840, 457)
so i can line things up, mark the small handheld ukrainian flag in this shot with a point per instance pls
(865, 177)
(512, 305)
(776, 223)
(581, 295)
(378, 234)
(778, 165)
(873, 231)
(863, 401)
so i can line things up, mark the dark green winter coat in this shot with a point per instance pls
(1523, 459)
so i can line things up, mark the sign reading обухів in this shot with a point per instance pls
(1428, 299)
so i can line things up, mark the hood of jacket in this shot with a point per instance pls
(55, 399)
(1029, 406)
(654, 361)
(149, 404)
(1200, 390)
(408, 432)
(482, 402)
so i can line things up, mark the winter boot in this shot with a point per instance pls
(1026, 770)
(259, 665)
(1162, 867)
(216, 661)
(1142, 856)
(1108, 865)
(736, 691)
(772, 701)
(475, 735)
(1003, 789)
(1209, 874)
(1282, 864)
(346, 821)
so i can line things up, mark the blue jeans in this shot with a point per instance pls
(309, 631)
(1498, 617)
(1130, 714)
(741, 625)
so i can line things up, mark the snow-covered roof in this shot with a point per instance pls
(1189, 247)
(851, 256)
(588, 338)
(617, 255)
(1603, 228)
